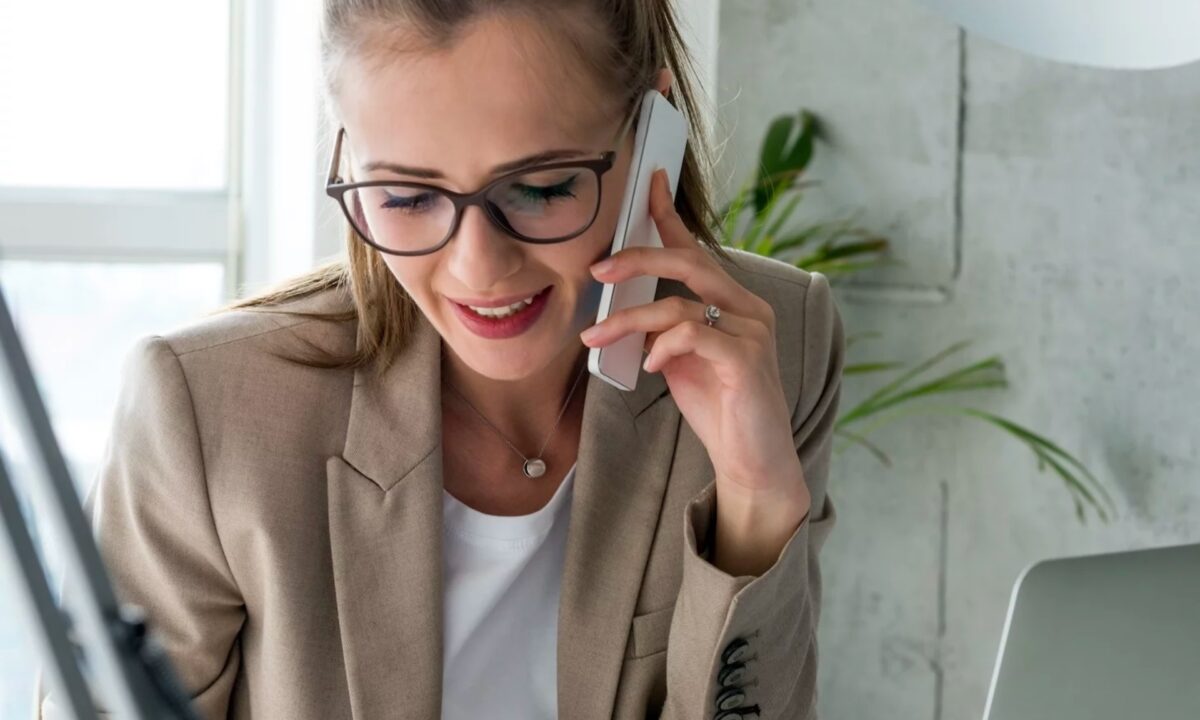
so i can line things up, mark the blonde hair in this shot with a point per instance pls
(643, 36)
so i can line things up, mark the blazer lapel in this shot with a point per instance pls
(385, 523)
(625, 453)
(385, 526)
(626, 448)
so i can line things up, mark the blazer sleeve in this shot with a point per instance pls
(747, 646)
(154, 525)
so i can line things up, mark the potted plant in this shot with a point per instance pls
(756, 220)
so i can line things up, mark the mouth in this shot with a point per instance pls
(494, 308)
(503, 322)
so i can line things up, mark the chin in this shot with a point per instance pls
(505, 366)
(511, 359)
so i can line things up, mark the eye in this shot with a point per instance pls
(409, 203)
(546, 193)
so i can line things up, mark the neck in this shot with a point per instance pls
(525, 410)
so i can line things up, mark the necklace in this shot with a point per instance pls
(533, 467)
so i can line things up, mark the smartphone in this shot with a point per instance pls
(659, 142)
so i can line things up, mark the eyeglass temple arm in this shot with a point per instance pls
(335, 157)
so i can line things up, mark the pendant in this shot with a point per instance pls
(534, 468)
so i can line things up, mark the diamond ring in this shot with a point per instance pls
(712, 313)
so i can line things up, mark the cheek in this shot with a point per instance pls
(595, 245)
(601, 233)
(413, 275)
(599, 236)
(587, 306)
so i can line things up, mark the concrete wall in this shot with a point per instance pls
(1051, 214)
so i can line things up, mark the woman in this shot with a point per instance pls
(349, 497)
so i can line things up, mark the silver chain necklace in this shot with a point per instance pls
(534, 467)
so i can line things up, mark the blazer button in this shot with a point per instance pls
(731, 674)
(730, 698)
(735, 651)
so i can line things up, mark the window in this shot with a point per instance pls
(96, 100)
(115, 215)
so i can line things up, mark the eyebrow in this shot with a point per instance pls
(537, 158)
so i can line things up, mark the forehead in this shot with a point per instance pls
(504, 89)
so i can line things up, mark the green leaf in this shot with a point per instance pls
(1037, 440)
(802, 150)
(787, 180)
(1073, 484)
(940, 386)
(879, 454)
(875, 245)
(1043, 450)
(781, 155)
(888, 418)
(802, 237)
(773, 149)
(864, 368)
(730, 217)
(837, 268)
(753, 236)
(780, 218)
(829, 234)
(955, 382)
(899, 382)
(857, 337)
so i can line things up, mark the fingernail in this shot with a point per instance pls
(590, 334)
(602, 266)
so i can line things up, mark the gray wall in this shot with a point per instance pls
(1049, 212)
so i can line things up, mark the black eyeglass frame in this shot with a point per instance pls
(337, 189)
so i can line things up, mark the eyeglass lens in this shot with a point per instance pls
(539, 205)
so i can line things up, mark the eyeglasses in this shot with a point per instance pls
(547, 203)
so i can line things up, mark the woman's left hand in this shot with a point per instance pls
(725, 378)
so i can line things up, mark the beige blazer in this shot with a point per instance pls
(282, 528)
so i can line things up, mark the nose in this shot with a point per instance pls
(480, 255)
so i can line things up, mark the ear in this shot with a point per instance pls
(663, 84)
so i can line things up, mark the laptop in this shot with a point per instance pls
(1102, 637)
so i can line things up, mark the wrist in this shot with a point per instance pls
(752, 528)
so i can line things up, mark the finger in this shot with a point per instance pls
(728, 354)
(681, 258)
(676, 234)
(691, 267)
(661, 315)
(671, 228)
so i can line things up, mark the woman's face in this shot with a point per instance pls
(501, 93)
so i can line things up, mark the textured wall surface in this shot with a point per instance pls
(1050, 213)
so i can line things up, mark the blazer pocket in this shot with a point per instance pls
(650, 632)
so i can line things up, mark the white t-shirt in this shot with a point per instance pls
(502, 577)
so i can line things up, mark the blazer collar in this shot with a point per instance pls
(407, 398)
(385, 496)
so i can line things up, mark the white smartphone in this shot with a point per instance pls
(659, 143)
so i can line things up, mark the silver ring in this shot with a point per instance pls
(712, 313)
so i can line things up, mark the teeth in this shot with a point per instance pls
(501, 312)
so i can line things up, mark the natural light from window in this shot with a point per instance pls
(116, 94)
